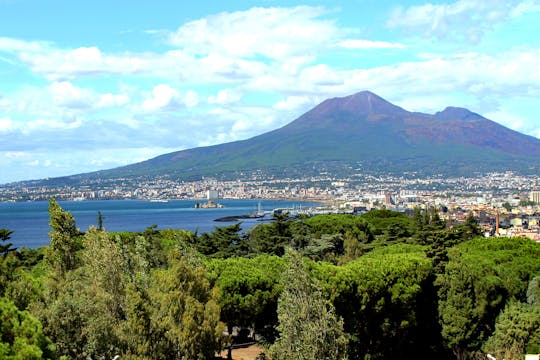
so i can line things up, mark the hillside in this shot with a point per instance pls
(357, 131)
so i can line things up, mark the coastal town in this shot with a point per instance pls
(504, 204)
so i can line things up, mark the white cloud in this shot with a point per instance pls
(163, 96)
(14, 154)
(112, 100)
(322, 75)
(463, 19)
(276, 33)
(59, 64)
(225, 96)
(514, 122)
(191, 98)
(67, 95)
(526, 7)
(219, 48)
(48, 124)
(514, 73)
(15, 45)
(6, 124)
(368, 44)
(284, 56)
(293, 103)
(130, 122)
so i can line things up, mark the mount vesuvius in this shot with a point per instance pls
(357, 131)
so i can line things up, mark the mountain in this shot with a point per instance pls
(357, 131)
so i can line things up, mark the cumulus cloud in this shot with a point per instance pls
(514, 72)
(61, 64)
(284, 58)
(67, 95)
(225, 96)
(226, 47)
(163, 96)
(460, 20)
(275, 33)
(6, 124)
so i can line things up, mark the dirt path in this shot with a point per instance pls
(248, 353)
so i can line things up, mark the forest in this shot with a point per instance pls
(380, 285)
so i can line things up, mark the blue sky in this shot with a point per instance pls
(94, 85)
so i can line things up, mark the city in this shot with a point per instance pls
(504, 204)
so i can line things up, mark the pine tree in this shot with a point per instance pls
(308, 326)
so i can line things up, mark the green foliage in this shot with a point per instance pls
(517, 325)
(533, 292)
(6, 248)
(248, 289)
(223, 242)
(405, 288)
(271, 238)
(339, 224)
(378, 296)
(308, 326)
(99, 221)
(393, 224)
(479, 278)
(24, 289)
(62, 253)
(21, 335)
(84, 308)
(186, 310)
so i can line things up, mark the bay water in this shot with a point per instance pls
(29, 221)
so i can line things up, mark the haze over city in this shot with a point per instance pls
(89, 86)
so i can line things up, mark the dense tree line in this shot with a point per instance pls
(377, 286)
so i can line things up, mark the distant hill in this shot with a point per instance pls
(357, 131)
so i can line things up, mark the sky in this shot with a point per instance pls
(91, 85)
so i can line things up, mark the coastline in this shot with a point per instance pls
(29, 221)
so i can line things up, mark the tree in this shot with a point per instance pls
(5, 249)
(21, 334)
(99, 221)
(308, 326)
(379, 295)
(271, 238)
(223, 242)
(7, 263)
(479, 279)
(104, 292)
(517, 330)
(64, 243)
(186, 310)
(248, 290)
(516, 326)
(469, 229)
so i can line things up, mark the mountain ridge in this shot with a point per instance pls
(362, 128)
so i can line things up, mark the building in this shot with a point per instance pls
(211, 195)
(535, 196)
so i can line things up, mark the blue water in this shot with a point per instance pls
(29, 221)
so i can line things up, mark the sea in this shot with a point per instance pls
(29, 221)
